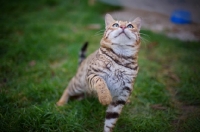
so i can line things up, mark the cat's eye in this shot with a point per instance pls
(130, 26)
(115, 25)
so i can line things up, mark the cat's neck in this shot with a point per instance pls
(124, 50)
(121, 50)
(126, 61)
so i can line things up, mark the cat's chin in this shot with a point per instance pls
(123, 45)
(122, 40)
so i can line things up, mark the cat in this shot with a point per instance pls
(109, 72)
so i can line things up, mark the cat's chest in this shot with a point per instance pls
(116, 76)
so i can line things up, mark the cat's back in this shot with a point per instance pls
(82, 71)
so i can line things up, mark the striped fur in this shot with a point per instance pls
(109, 72)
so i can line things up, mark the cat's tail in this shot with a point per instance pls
(82, 53)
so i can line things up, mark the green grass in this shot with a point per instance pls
(39, 45)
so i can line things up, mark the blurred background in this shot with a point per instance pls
(39, 45)
(156, 16)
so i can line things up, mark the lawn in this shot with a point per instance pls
(39, 45)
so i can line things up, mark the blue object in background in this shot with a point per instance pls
(181, 17)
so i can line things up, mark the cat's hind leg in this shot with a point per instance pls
(64, 98)
(74, 90)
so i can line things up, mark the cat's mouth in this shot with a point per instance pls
(124, 34)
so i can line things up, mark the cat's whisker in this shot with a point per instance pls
(100, 32)
(144, 41)
(97, 34)
(143, 38)
(144, 34)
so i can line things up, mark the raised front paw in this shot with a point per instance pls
(106, 100)
(104, 96)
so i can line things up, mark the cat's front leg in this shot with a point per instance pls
(99, 85)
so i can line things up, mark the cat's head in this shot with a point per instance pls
(121, 33)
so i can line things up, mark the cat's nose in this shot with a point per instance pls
(123, 27)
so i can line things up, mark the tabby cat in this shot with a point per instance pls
(109, 72)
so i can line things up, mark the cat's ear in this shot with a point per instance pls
(108, 20)
(137, 22)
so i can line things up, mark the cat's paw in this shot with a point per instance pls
(104, 96)
(105, 100)
(103, 93)
(60, 103)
